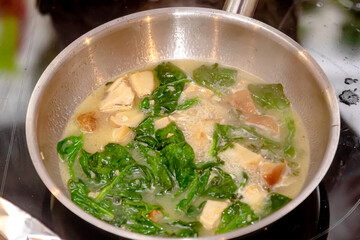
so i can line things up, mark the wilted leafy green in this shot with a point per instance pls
(245, 179)
(269, 96)
(288, 143)
(169, 134)
(194, 211)
(104, 164)
(221, 186)
(133, 215)
(196, 188)
(145, 132)
(79, 195)
(68, 149)
(145, 104)
(237, 215)
(225, 135)
(179, 160)
(188, 103)
(129, 183)
(157, 163)
(216, 78)
(167, 72)
(276, 202)
(166, 97)
(186, 229)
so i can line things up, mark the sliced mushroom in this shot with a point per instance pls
(118, 96)
(272, 172)
(130, 118)
(87, 121)
(242, 100)
(262, 121)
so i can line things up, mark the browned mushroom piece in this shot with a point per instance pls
(271, 172)
(242, 100)
(87, 121)
(262, 121)
(155, 215)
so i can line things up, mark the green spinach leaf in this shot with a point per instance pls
(215, 78)
(221, 186)
(166, 97)
(145, 104)
(79, 195)
(179, 160)
(225, 135)
(269, 96)
(235, 216)
(167, 72)
(161, 174)
(196, 188)
(188, 103)
(145, 132)
(68, 150)
(129, 183)
(194, 211)
(186, 229)
(288, 145)
(104, 164)
(276, 202)
(133, 215)
(169, 134)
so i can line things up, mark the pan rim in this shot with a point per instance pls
(78, 44)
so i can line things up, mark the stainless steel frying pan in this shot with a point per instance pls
(180, 33)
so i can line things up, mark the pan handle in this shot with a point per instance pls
(242, 7)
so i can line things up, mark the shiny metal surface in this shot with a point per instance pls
(242, 7)
(179, 33)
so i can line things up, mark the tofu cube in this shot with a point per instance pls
(192, 90)
(142, 83)
(130, 118)
(123, 135)
(240, 157)
(161, 123)
(255, 196)
(118, 96)
(211, 214)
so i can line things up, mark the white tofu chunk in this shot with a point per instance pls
(142, 83)
(161, 123)
(255, 196)
(118, 96)
(238, 158)
(211, 214)
(130, 118)
(192, 90)
(123, 135)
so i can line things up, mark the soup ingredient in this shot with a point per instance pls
(215, 78)
(119, 96)
(181, 161)
(87, 121)
(211, 213)
(237, 215)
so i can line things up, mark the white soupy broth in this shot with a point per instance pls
(184, 149)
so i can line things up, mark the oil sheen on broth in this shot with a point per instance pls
(222, 145)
